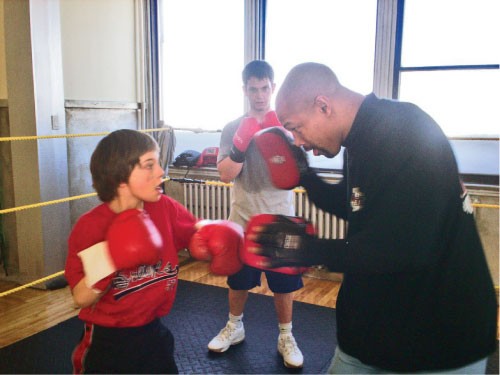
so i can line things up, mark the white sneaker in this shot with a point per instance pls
(287, 347)
(229, 335)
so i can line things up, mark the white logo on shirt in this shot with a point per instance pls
(357, 199)
(466, 201)
(277, 159)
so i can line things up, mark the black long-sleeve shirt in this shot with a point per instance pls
(417, 293)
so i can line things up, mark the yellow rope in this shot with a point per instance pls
(196, 181)
(77, 135)
(485, 205)
(42, 204)
(218, 183)
(61, 273)
(2, 294)
(35, 137)
(214, 183)
(82, 196)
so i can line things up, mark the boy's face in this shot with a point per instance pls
(259, 93)
(145, 180)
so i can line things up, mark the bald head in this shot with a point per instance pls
(304, 83)
(316, 108)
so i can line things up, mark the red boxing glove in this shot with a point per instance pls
(133, 240)
(219, 242)
(248, 127)
(286, 163)
(270, 120)
(255, 260)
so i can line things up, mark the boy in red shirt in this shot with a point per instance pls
(122, 262)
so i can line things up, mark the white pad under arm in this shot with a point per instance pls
(97, 263)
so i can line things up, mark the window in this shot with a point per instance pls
(340, 34)
(201, 46)
(449, 63)
(334, 33)
(441, 55)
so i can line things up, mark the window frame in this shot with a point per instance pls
(398, 68)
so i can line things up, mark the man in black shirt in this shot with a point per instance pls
(417, 294)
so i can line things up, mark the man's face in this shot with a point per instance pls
(312, 129)
(259, 93)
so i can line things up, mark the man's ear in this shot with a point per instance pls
(322, 104)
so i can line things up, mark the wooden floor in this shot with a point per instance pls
(32, 310)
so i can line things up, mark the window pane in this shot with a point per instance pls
(450, 32)
(463, 102)
(340, 34)
(202, 60)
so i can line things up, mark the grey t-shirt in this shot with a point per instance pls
(253, 192)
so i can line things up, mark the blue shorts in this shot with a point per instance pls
(249, 277)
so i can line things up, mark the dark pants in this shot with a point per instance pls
(138, 350)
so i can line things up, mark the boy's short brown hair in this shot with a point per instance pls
(259, 69)
(115, 157)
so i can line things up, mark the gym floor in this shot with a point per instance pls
(31, 310)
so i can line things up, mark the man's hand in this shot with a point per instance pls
(284, 242)
(286, 163)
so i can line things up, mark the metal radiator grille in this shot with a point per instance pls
(212, 201)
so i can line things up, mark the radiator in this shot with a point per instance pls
(328, 226)
(213, 201)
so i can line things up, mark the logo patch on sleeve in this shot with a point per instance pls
(357, 199)
(466, 201)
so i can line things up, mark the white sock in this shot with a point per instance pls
(236, 319)
(285, 328)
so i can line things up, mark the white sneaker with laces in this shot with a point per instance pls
(287, 347)
(229, 335)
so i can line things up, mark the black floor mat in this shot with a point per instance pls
(199, 312)
(205, 310)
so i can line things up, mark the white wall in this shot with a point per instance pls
(51, 52)
(98, 47)
(99, 40)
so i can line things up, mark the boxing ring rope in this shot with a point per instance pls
(167, 179)
(28, 285)
(77, 135)
(83, 196)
